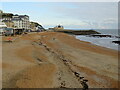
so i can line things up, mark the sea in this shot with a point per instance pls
(103, 41)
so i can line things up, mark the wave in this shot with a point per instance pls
(102, 41)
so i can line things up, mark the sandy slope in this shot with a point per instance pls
(52, 60)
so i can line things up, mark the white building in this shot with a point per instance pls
(21, 22)
(2, 28)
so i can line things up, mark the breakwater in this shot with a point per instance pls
(78, 32)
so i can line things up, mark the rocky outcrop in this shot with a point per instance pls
(79, 32)
(117, 42)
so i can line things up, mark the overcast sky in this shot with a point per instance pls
(73, 15)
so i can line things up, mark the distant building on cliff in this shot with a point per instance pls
(58, 27)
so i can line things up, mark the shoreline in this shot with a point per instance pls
(31, 57)
(101, 45)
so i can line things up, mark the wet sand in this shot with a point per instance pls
(57, 60)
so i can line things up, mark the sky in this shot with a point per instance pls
(72, 15)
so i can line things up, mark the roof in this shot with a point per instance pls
(20, 16)
(9, 29)
(16, 19)
(23, 16)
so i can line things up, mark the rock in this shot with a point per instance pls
(76, 74)
(81, 77)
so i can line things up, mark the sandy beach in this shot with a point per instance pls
(57, 60)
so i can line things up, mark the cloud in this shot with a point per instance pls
(111, 23)
(90, 11)
(110, 20)
(71, 14)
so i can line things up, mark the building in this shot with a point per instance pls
(5, 30)
(6, 16)
(59, 27)
(6, 24)
(34, 26)
(40, 28)
(7, 19)
(9, 23)
(9, 32)
(2, 28)
(15, 21)
(21, 22)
